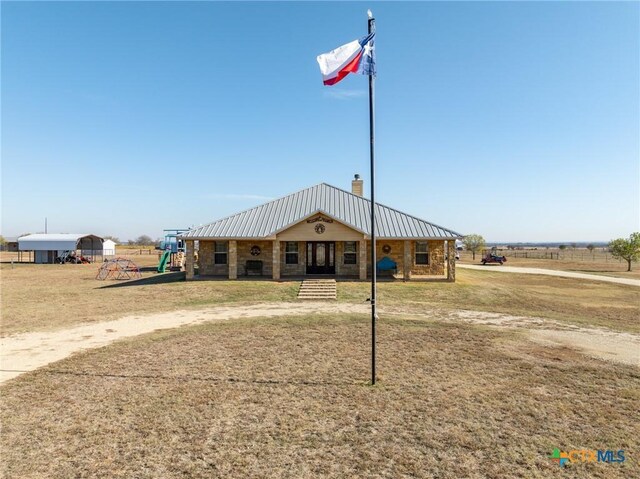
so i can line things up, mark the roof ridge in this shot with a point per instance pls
(318, 198)
(254, 207)
(393, 209)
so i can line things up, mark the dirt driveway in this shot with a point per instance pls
(27, 352)
(549, 272)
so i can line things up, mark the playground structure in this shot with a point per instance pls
(118, 268)
(173, 255)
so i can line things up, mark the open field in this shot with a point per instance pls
(579, 261)
(287, 397)
(44, 297)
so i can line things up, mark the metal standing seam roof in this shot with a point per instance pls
(352, 210)
(53, 241)
(55, 237)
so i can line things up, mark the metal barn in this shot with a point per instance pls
(47, 247)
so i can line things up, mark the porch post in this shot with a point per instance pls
(363, 258)
(406, 263)
(276, 259)
(190, 251)
(451, 261)
(233, 259)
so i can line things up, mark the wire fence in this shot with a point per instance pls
(569, 255)
(559, 255)
(136, 251)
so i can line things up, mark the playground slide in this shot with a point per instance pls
(163, 261)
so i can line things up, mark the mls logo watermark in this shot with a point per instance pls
(587, 455)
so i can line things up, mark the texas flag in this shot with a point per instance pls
(354, 57)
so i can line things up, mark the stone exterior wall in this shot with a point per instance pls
(205, 261)
(346, 269)
(189, 259)
(436, 264)
(436, 259)
(266, 256)
(396, 253)
(299, 269)
(451, 260)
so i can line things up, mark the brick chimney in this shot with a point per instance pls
(356, 185)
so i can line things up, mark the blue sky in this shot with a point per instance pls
(518, 121)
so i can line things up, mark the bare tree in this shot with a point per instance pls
(144, 240)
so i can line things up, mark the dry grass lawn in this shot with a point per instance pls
(286, 398)
(581, 262)
(582, 302)
(41, 297)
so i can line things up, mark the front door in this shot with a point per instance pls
(321, 257)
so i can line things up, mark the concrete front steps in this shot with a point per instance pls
(318, 289)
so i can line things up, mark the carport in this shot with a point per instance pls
(47, 247)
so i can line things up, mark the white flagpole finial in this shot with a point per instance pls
(369, 14)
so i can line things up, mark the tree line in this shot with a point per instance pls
(142, 240)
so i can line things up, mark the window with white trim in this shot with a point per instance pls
(422, 252)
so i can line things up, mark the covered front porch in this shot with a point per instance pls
(349, 260)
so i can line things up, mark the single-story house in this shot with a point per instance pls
(48, 246)
(321, 230)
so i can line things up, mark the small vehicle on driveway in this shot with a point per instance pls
(492, 257)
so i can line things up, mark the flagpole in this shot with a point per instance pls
(371, 27)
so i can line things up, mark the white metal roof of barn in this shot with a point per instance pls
(53, 241)
(352, 210)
